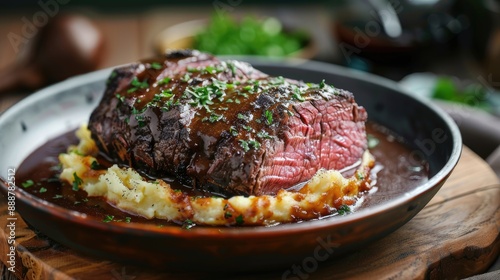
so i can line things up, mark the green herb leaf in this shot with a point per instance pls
(227, 215)
(188, 224)
(27, 183)
(244, 145)
(57, 196)
(297, 94)
(108, 218)
(233, 131)
(42, 190)
(120, 97)
(254, 143)
(239, 220)
(156, 65)
(164, 81)
(241, 116)
(264, 135)
(277, 81)
(269, 117)
(127, 219)
(232, 67)
(167, 93)
(322, 84)
(215, 118)
(343, 210)
(95, 165)
(76, 182)
(136, 84)
(141, 120)
(186, 78)
(372, 141)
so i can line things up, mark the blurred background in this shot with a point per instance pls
(445, 50)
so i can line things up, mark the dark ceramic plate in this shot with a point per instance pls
(64, 106)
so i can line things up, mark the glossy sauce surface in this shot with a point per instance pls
(396, 172)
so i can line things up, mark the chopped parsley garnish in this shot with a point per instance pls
(263, 134)
(247, 128)
(168, 105)
(141, 120)
(242, 117)
(120, 97)
(42, 190)
(227, 215)
(215, 118)
(95, 165)
(233, 131)
(164, 81)
(188, 224)
(237, 101)
(127, 219)
(136, 112)
(53, 180)
(167, 93)
(360, 176)
(202, 96)
(136, 84)
(27, 183)
(297, 94)
(254, 143)
(269, 117)
(244, 145)
(211, 69)
(57, 196)
(186, 78)
(343, 210)
(239, 220)
(76, 182)
(156, 65)
(322, 84)
(57, 167)
(108, 218)
(277, 81)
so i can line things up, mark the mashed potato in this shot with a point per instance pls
(125, 188)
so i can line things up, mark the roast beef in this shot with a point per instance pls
(224, 126)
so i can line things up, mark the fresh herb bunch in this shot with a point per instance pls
(250, 36)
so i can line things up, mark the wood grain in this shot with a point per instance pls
(456, 235)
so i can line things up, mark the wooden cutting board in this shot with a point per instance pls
(456, 235)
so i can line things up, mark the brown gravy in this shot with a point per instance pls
(395, 175)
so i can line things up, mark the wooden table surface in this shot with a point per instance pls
(456, 235)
